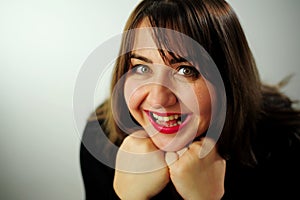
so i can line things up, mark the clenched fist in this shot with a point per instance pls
(141, 171)
(199, 172)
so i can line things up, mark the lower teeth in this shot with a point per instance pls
(167, 125)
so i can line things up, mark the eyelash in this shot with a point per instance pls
(194, 72)
(135, 68)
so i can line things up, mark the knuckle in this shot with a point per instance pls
(135, 144)
(195, 147)
(204, 147)
(128, 141)
(178, 170)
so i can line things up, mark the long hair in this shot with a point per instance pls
(215, 26)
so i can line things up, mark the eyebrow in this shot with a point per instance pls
(147, 60)
(178, 60)
(141, 58)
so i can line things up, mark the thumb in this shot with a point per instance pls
(171, 157)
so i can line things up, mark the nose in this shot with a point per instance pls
(160, 96)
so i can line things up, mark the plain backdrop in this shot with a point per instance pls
(43, 44)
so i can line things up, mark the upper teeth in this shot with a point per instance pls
(165, 118)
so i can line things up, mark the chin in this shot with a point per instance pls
(169, 143)
(172, 142)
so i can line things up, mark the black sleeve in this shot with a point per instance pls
(97, 177)
(276, 174)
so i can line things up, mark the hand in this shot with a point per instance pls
(199, 172)
(141, 171)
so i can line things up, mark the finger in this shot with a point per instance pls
(138, 145)
(203, 147)
(171, 157)
(139, 162)
(182, 151)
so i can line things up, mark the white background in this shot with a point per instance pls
(43, 45)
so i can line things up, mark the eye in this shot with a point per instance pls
(188, 71)
(141, 69)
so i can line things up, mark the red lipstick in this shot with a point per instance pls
(167, 123)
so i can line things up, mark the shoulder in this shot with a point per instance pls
(95, 143)
(276, 146)
(278, 129)
(97, 159)
(277, 153)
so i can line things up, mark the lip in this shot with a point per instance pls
(163, 129)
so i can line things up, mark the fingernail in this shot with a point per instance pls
(171, 157)
(181, 152)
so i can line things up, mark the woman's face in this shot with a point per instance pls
(170, 100)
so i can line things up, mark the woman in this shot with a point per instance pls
(200, 138)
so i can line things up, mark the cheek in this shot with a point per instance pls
(205, 95)
(196, 98)
(134, 94)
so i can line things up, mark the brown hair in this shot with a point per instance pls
(215, 26)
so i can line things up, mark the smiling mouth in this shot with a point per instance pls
(167, 123)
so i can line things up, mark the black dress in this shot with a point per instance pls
(276, 176)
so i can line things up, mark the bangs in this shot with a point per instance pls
(170, 16)
(167, 15)
(177, 16)
(181, 29)
(172, 45)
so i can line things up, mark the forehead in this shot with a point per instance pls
(148, 44)
(148, 37)
(166, 42)
(143, 39)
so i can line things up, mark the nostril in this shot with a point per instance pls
(173, 99)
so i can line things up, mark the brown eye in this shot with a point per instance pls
(188, 71)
